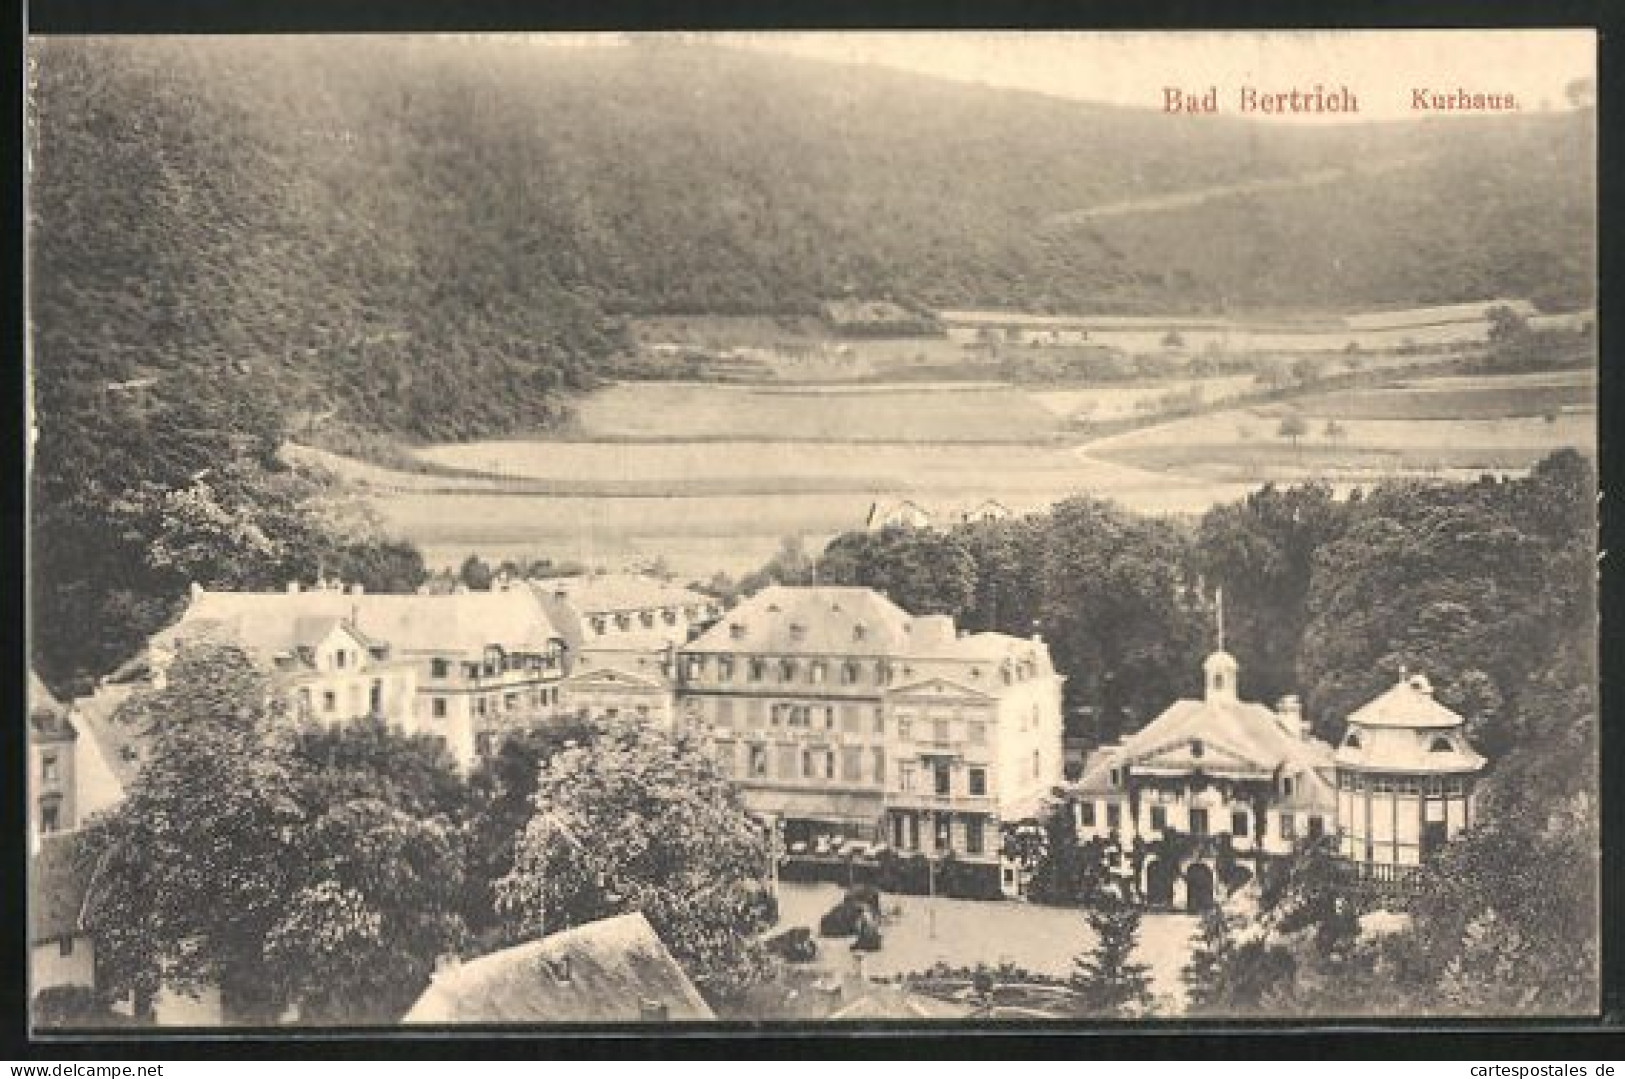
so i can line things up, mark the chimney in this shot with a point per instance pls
(358, 590)
(293, 588)
(1290, 709)
(447, 964)
(196, 590)
(652, 1011)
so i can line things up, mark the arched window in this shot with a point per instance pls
(1440, 744)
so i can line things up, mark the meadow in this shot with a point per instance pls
(711, 478)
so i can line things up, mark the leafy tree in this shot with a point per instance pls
(1293, 428)
(639, 819)
(71, 1006)
(1106, 982)
(320, 871)
(1115, 612)
(922, 570)
(194, 867)
(501, 790)
(475, 574)
(1261, 552)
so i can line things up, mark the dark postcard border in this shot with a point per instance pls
(1597, 1038)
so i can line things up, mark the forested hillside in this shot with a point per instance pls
(438, 238)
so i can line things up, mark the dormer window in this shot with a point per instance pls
(797, 631)
(1197, 749)
(849, 674)
(859, 631)
(1286, 786)
(736, 631)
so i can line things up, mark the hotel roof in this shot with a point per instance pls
(822, 620)
(460, 623)
(601, 972)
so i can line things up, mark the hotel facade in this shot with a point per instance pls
(840, 714)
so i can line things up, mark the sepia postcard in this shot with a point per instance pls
(529, 531)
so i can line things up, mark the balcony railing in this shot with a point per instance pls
(978, 803)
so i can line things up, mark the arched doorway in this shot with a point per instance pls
(1198, 887)
(1159, 883)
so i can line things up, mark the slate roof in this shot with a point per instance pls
(1408, 703)
(1406, 730)
(827, 618)
(58, 888)
(1236, 737)
(47, 719)
(459, 623)
(608, 593)
(895, 1002)
(600, 972)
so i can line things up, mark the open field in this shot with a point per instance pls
(713, 477)
(654, 412)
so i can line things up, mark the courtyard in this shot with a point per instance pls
(965, 932)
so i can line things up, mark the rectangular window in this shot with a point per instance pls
(330, 701)
(1289, 827)
(1238, 823)
(1086, 810)
(978, 782)
(818, 671)
(48, 768)
(1114, 815)
(943, 780)
(829, 764)
(725, 669)
(880, 720)
(879, 765)
(339, 658)
(437, 707)
(482, 743)
(758, 761)
(1317, 826)
(905, 776)
(1198, 822)
(1159, 818)
(50, 812)
(64, 947)
(975, 839)
(829, 717)
(510, 702)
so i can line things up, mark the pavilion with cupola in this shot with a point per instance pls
(1406, 778)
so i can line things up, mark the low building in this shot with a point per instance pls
(615, 970)
(69, 778)
(1196, 798)
(60, 951)
(839, 714)
(1406, 778)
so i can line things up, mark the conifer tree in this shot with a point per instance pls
(1107, 982)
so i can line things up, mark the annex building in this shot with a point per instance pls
(1194, 802)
